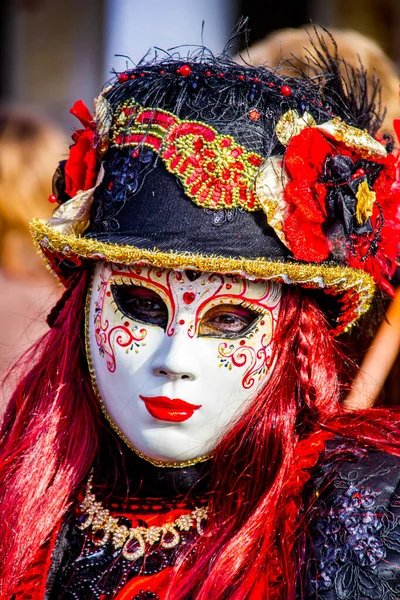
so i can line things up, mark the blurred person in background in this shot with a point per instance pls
(29, 147)
(292, 50)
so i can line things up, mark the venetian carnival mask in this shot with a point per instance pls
(176, 356)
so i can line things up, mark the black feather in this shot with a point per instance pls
(346, 86)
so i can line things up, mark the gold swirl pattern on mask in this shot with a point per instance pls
(356, 285)
(121, 537)
(114, 426)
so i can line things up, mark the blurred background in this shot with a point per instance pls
(53, 52)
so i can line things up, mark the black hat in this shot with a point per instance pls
(207, 165)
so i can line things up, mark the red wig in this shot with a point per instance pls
(51, 433)
(48, 439)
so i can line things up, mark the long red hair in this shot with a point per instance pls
(51, 434)
(48, 438)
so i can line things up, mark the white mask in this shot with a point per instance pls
(176, 356)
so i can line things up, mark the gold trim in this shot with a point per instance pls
(291, 124)
(270, 187)
(100, 519)
(155, 463)
(359, 140)
(354, 138)
(339, 278)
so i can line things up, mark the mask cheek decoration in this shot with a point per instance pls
(252, 353)
(174, 361)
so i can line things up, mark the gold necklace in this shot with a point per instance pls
(156, 463)
(99, 519)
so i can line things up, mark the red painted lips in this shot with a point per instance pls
(165, 409)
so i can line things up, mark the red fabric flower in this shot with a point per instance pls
(307, 195)
(381, 263)
(82, 165)
(304, 161)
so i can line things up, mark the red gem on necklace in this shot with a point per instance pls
(189, 297)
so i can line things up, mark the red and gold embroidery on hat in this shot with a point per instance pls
(215, 171)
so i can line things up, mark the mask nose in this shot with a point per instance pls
(172, 374)
(176, 361)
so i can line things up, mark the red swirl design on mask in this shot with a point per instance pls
(150, 277)
(257, 361)
(120, 335)
(268, 302)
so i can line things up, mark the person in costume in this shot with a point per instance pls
(179, 434)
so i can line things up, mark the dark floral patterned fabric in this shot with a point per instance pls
(354, 530)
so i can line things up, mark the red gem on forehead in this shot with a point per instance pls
(189, 297)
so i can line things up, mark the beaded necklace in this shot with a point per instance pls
(134, 541)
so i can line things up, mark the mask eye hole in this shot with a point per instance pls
(140, 304)
(227, 320)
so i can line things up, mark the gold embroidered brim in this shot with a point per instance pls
(353, 288)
